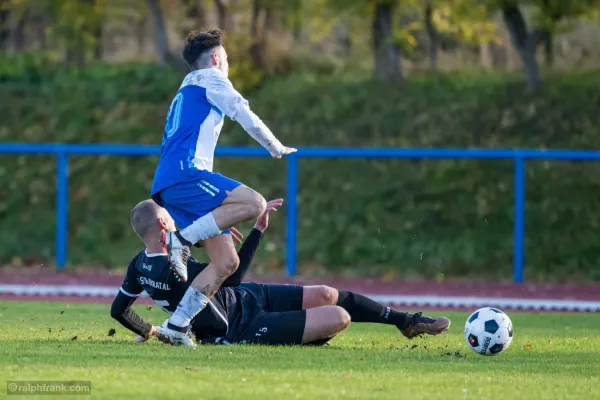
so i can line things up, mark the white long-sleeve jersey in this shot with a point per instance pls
(194, 123)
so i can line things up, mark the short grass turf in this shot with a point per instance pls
(553, 356)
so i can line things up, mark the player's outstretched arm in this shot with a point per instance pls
(121, 311)
(220, 92)
(121, 307)
(261, 133)
(248, 250)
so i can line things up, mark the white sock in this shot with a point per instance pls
(190, 305)
(202, 228)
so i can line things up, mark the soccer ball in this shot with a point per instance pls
(488, 331)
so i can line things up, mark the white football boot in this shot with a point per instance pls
(175, 337)
(178, 254)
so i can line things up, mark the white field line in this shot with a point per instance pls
(398, 300)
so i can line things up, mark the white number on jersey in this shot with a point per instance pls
(174, 116)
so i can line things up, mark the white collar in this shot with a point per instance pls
(154, 254)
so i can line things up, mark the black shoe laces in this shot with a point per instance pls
(418, 317)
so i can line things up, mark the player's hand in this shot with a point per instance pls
(286, 151)
(152, 332)
(263, 221)
(236, 236)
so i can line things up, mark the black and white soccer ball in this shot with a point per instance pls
(488, 331)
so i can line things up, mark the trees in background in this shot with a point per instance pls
(161, 43)
(385, 49)
(4, 25)
(80, 31)
(448, 22)
(549, 17)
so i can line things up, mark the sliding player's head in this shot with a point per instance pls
(205, 50)
(149, 220)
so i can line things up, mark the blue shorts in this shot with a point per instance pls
(188, 201)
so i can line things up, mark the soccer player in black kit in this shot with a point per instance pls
(247, 312)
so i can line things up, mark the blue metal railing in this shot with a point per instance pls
(62, 151)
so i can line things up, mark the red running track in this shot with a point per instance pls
(100, 277)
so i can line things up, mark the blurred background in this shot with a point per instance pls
(322, 73)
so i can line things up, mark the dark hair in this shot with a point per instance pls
(199, 42)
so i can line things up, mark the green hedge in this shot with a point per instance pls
(434, 218)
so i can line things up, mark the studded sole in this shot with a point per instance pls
(164, 339)
(432, 333)
(163, 241)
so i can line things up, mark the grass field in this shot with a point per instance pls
(553, 356)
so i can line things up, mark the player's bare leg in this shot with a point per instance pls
(224, 262)
(242, 204)
(222, 250)
(323, 323)
(363, 309)
(317, 296)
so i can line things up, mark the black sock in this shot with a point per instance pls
(363, 309)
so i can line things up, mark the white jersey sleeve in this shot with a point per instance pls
(221, 94)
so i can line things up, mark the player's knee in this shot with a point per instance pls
(343, 319)
(256, 205)
(328, 295)
(227, 264)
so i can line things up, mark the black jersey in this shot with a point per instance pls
(151, 273)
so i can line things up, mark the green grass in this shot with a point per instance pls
(368, 361)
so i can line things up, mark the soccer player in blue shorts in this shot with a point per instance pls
(204, 204)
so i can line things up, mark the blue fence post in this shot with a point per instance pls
(61, 208)
(292, 213)
(519, 234)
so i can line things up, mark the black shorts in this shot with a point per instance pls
(275, 328)
(278, 320)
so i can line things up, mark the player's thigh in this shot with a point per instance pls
(317, 296)
(242, 194)
(197, 197)
(221, 250)
(324, 323)
(275, 328)
(282, 298)
(183, 219)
